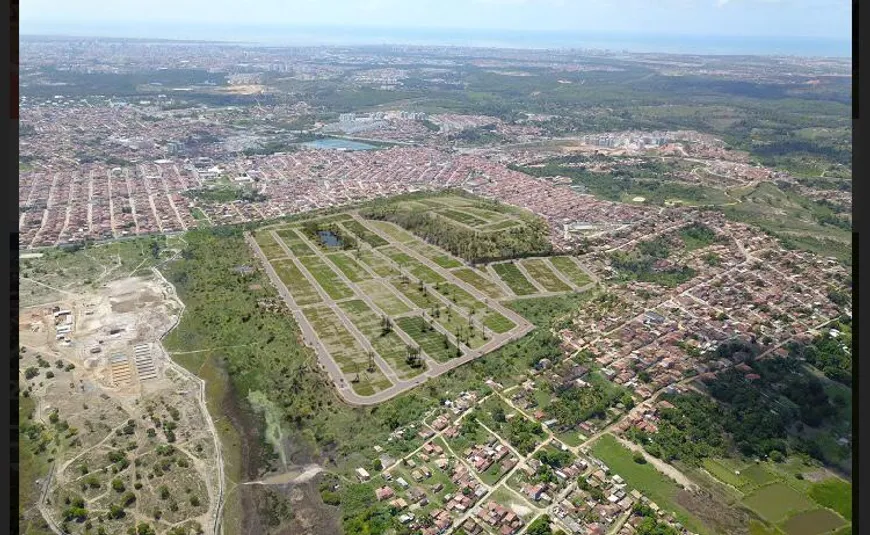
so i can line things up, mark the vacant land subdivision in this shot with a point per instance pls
(385, 309)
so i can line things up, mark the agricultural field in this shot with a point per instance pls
(514, 278)
(644, 477)
(541, 272)
(776, 502)
(792, 496)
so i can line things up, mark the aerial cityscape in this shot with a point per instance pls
(436, 289)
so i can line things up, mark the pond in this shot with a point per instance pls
(329, 240)
(335, 143)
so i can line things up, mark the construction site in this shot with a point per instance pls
(125, 429)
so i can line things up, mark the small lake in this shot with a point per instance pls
(329, 240)
(335, 143)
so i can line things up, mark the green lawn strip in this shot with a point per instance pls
(292, 240)
(570, 270)
(777, 501)
(480, 282)
(541, 272)
(300, 289)
(423, 299)
(817, 522)
(328, 280)
(460, 297)
(490, 216)
(348, 354)
(350, 267)
(377, 263)
(424, 273)
(514, 278)
(433, 343)
(462, 217)
(436, 255)
(363, 233)
(411, 264)
(455, 323)
(269, 246)
(397, 233)
(645, 478)
(389, 346)
(835, 494)
(383, 297)
(495, 322)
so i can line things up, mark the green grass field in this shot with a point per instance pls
(422, 299)
(514, 278)
(389, 346)
(412, 265)
(816, 522)
(567, 267)
(497, 323)
(460, 297)
(462, 217)
(775, 502)
(326, 278)
(377, 263)
(758, 475)
(480, 282)
(393, 231)
(383, 297)
(433, 343)
(363, 233)
(434, 254)
(723, 473)
(269, 246)
(350, 267)
(298, 286)
(292, 240)
(645, 478)
(541, 272)
(835, 494)
(348, 354)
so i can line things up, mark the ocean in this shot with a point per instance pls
(311, 36)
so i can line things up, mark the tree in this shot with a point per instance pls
(498, 414)
(541, 526)
(639, 458)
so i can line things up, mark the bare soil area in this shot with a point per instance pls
(126, 434)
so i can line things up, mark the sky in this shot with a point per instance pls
(825, 19)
